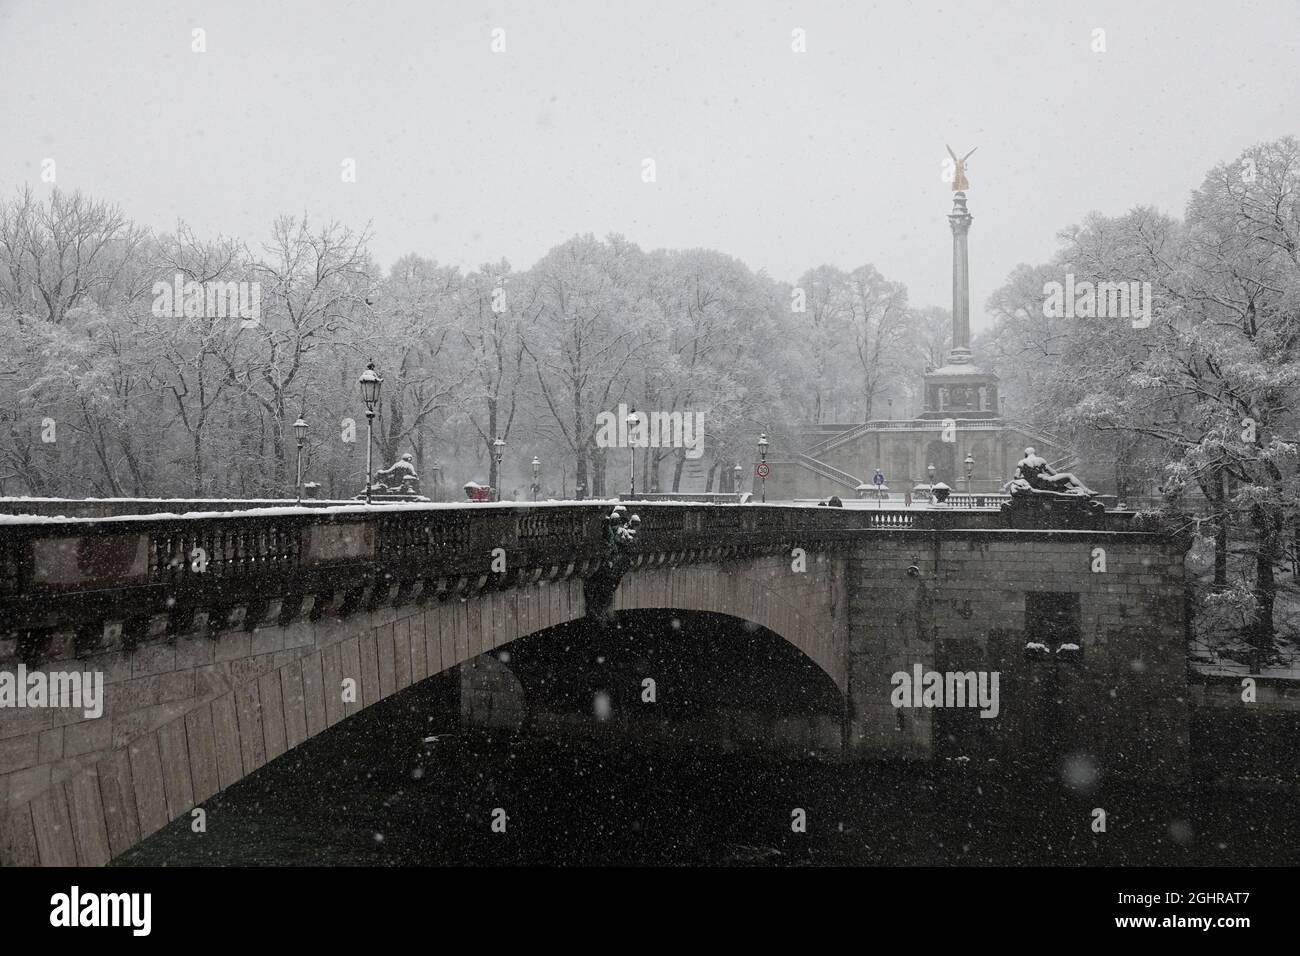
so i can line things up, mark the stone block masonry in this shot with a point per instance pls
(1122, 697)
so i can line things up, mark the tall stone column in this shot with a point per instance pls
(960, 221)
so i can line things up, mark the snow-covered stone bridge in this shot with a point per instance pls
(223, 640)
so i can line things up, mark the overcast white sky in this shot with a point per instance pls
(786, 160)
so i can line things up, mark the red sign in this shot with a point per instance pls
(762, 470)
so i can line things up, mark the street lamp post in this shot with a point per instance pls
(300, 433)
(970, 469)
(632, 421)
(737, 472)
(762, 455)
(370, 385)
(499, 447)
(537, 471)
(929, 471)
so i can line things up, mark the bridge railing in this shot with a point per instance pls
(57, 573)
(229, 552)
(46, 554)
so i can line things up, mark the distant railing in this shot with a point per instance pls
(891, 519)
(935, 425)
(911, 425)
(829, 471)
(977, 500)
(1033, 431)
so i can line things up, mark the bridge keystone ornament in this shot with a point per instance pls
(620, 537)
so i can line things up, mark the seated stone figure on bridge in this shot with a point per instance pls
(399, 477)
(1038, 475)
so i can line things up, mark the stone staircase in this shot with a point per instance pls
(850, 482)
(695, 472)
(810, 460)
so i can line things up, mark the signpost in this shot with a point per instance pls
(762, 471)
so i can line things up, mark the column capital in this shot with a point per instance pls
(960, 219)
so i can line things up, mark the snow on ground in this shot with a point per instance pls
(1289, 671)
(1218, 648)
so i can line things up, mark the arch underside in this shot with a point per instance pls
(796, 607)
(710, 675)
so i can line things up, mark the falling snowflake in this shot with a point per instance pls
(1079, 773)
(601, 706)
(1180, 831)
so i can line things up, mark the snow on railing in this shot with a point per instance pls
(273, 549)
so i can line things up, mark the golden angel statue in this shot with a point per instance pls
(959, 181)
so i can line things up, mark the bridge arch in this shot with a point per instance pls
(713, 679)
(251, 708)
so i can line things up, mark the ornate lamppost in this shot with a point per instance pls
(970, 469)
(498, 447)
(537, 472)
(370, 385)
(736, 472)
(632, 421)
(300, 433)
(762, 467)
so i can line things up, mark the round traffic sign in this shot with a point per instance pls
(762, 470)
